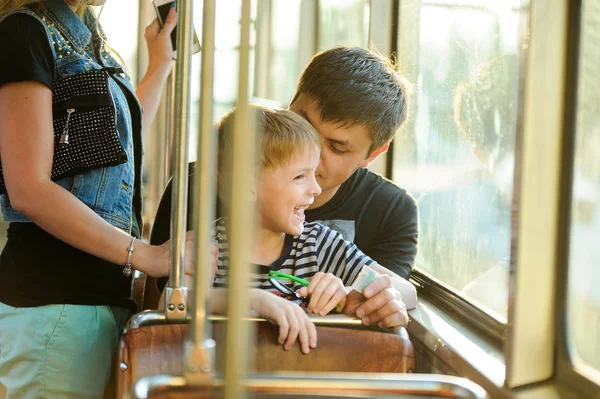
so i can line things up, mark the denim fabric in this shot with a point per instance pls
(107, 191)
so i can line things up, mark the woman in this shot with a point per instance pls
(65, 272)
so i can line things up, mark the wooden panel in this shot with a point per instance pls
(158, 349)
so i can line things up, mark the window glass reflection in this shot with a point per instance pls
(343, 22)
(457, 154)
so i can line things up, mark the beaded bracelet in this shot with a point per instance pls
(128, 265)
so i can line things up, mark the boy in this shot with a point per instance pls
(286, 185)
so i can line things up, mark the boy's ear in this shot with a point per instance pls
(374, 155)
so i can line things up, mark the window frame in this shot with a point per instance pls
(566, 369)
(450, 301)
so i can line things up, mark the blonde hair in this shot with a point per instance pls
(280, 135)
(284, 134)
(8, 6)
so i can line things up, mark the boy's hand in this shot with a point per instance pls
(380, 304)
(292, 321)
(326, 292)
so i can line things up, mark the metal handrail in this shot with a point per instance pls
(335, 384)
(154, 317)
(199, 353)
(176, 293)
(240, 220)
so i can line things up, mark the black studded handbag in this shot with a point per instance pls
(85, 134)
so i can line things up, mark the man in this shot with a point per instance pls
(356, 101)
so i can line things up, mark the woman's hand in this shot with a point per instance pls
(214, 267)
(292, 321)
(158, 40)
(326, 292)
(155, 260)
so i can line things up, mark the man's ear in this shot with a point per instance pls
(374, 155)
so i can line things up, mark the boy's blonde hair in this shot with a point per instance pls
(280, 134)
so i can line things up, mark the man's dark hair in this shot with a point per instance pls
(354, 86)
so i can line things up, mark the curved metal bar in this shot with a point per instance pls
(175, 298)
(340, 385)
(145, 318)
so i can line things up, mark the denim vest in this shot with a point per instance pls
(112, 192)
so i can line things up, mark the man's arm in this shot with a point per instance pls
(407, 291)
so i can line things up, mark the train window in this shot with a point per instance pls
(456, 154)
(226, 61)
(120, 23)
(343, 22)
(583, 310)
(283, 63)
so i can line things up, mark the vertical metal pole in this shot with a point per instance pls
(200, 349)
(175, 298)
(169, 137)
(240, 222)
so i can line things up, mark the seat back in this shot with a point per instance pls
(158, 349)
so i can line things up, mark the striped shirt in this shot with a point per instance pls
(316, 249)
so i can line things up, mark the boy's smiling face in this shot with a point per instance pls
(285, 192)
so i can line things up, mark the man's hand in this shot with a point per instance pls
(326, 293)
(380, 303)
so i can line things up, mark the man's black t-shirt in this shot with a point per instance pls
(36, 268)
(378, 216)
